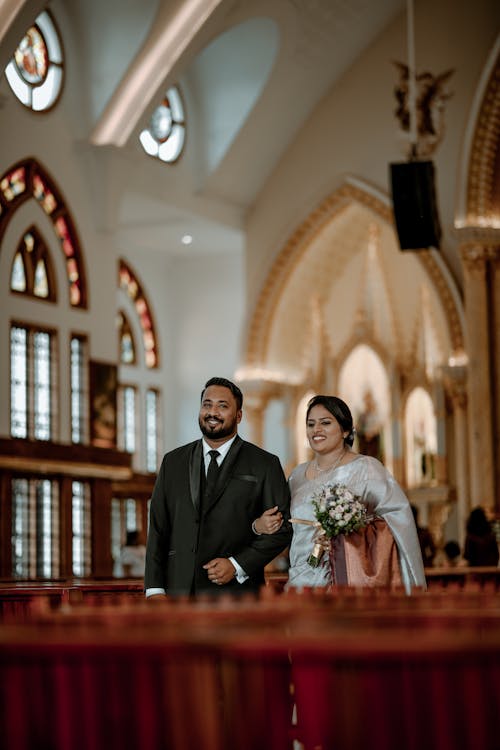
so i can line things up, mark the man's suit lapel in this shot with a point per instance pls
(195, 467)
(225, 473)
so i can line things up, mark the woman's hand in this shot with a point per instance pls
(269, 522)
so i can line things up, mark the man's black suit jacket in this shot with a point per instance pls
(181, 538)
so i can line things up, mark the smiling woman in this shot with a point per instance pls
(385, 551)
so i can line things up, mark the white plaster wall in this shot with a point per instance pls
(198, 307)
(208, 308)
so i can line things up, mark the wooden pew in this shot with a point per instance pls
(20, 600)
(106, 676)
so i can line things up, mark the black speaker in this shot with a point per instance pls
(415, 205)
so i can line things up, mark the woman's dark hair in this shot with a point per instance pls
(226, 384)
(477, 522)
(339, 410)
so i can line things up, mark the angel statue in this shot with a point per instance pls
(430, 98)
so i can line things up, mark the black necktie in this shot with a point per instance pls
(212, 473)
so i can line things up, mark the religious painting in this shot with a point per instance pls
(103, 404)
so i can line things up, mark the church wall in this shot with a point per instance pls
(197, 302)
(354, 131)
(201, 323)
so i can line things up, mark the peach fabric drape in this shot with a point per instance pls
(368, 557)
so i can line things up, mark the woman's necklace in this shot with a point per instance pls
(319, 470)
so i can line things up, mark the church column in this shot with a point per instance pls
(397, 432)
(479, 312)
(495, 328)
(456, 387)
(289, 425)
(253, 409)
(440, 465)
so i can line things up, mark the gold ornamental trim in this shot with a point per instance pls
(483, 188)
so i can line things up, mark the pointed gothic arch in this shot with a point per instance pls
(29, 180)
(266, 310)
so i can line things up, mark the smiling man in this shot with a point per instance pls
(206, 498)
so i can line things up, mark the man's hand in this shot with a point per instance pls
(220, 570)
(269, 522)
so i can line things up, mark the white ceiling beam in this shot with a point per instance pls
(172, 31)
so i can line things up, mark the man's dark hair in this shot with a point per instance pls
(226, 384)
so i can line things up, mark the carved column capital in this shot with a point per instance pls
(455, 384)
(478, 245)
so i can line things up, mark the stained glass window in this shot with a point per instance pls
(165, 136)
(133, 400)
(18, 275)
(129, 283)
(41, 285)
(14, 183)
(35, 73)
(32, 272)
(29, 180)
(44, 194)
(126, 338)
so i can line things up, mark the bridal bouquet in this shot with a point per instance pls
(337, 511)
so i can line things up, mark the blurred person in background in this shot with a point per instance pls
(481, 546)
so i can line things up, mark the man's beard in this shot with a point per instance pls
(220, 430)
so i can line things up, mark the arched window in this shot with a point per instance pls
(421, 438)
(32, 273)
(35, 72)
(130, 284)
(164, 138)
(138, 392)
(28, 180)
(364, 386)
